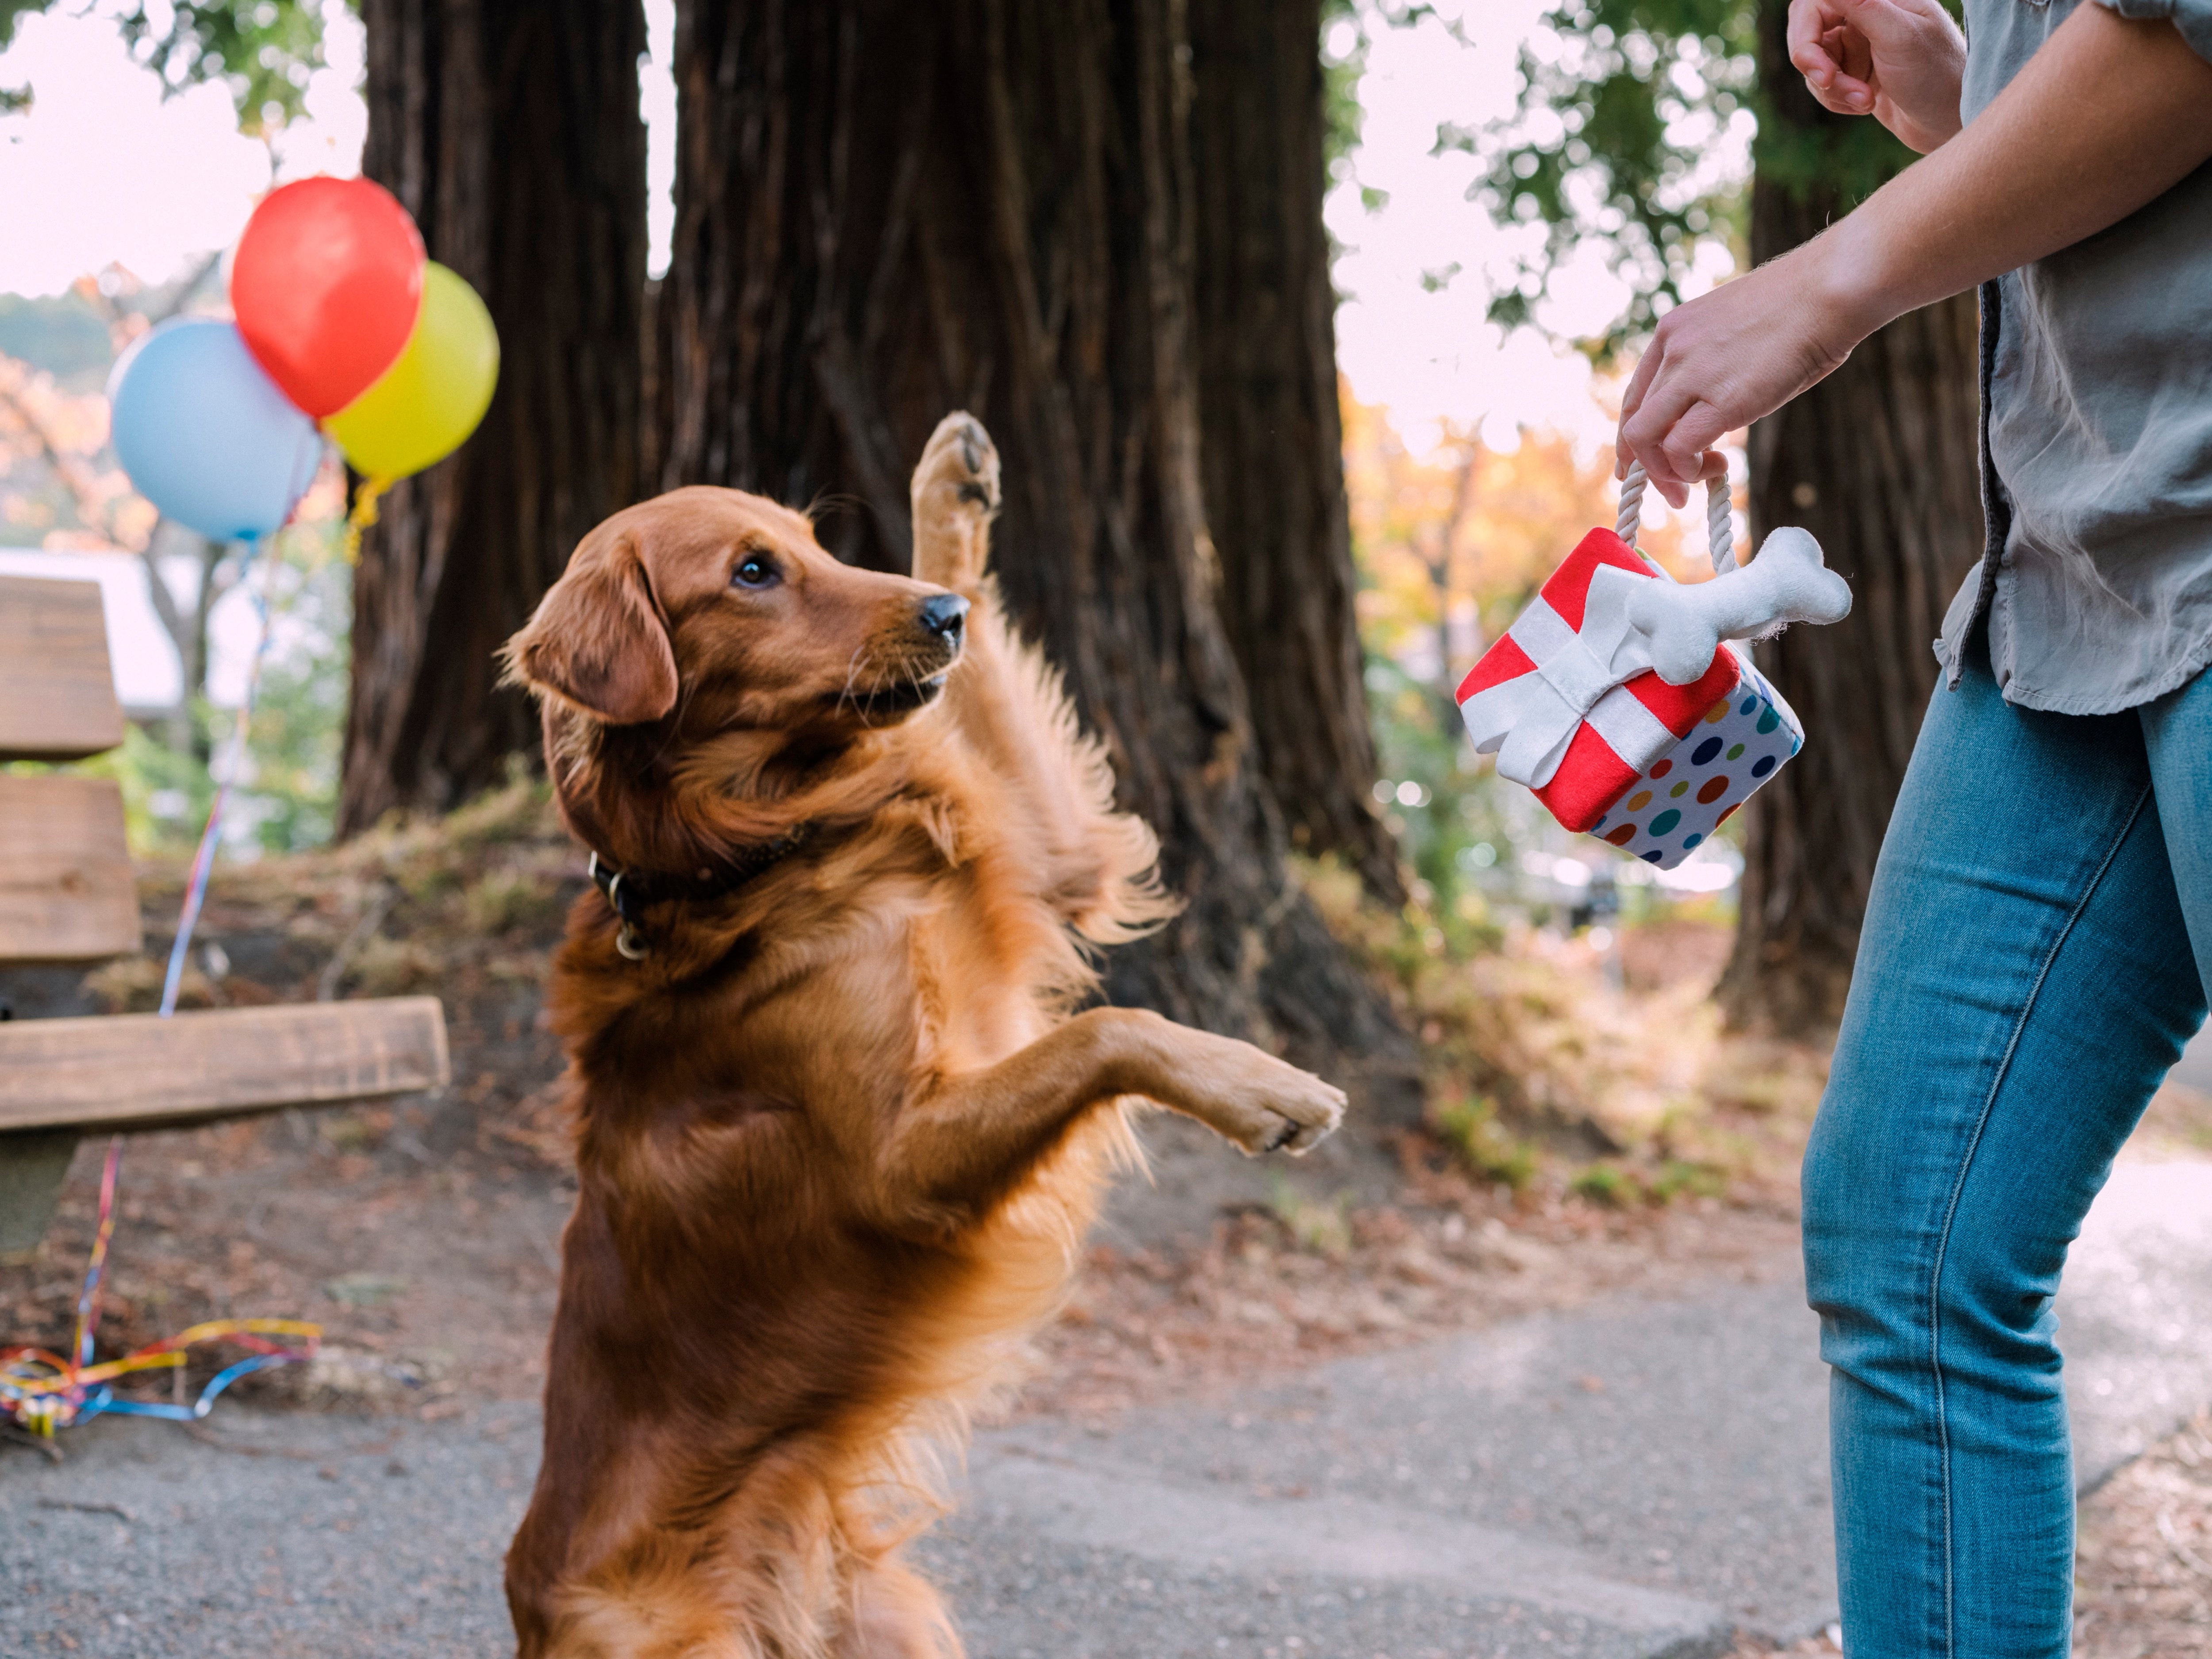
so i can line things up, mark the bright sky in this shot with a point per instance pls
(1429, 355)
(102, 169)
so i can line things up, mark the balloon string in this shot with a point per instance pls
(363, 515)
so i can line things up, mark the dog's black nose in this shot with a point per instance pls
(944, 615)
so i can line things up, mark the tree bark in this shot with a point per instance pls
(510, 129)
(1880, 462)
(885, 211)
(1273, 448)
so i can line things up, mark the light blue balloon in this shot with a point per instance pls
(205, 435)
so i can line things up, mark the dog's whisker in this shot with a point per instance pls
(853, 666)
(875, 688)
(851, 663)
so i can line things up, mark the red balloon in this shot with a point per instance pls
(326, 286)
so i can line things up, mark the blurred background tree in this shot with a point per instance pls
(510, 129)
(1625, 103)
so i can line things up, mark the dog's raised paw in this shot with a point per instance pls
(960, 457)
(956, 492)
(981, 457)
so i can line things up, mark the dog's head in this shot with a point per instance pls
(719, 612)
(711, 678)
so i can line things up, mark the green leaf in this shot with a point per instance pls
(263, 50)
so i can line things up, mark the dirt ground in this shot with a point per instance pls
(424, 1234)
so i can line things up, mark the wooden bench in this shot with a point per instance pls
(67, 895)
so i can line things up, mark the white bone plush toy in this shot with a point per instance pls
(1619, 697)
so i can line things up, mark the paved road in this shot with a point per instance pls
(1626, 1480)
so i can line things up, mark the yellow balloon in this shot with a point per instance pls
(427, 403)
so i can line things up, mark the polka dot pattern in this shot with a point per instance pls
(1686, 794)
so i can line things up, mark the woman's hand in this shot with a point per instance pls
(1899, 61)
(1727, 358)
(2110, 113)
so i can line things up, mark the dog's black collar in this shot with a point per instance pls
(628, 893)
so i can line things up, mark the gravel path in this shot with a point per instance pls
(1636, 1478)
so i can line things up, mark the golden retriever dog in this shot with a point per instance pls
(839, 1127)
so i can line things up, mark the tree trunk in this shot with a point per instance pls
(510, 129)
(1879, 461)
(885, 211)
(1273, 453)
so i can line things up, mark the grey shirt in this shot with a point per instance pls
(2096, 428)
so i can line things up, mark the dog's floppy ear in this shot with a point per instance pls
(598, 639)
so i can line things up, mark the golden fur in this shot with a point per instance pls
(839, 1130)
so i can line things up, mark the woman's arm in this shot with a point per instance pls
(2111, 113)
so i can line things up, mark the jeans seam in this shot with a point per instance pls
(1958, 1188)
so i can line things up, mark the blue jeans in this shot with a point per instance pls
(2025, 977)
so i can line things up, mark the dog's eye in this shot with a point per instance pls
(755, 570)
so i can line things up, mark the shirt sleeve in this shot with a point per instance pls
(2192, 17)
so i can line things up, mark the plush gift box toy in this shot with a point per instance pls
(1621, 697)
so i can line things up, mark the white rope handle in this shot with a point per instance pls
(1720, 517)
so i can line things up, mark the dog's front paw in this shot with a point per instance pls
(956, 491)
(1277, 1107)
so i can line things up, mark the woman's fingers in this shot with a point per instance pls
(1833, 57)
(1856, 54)
(1667, 419)
(1849, 90)
(1632, 401)
(1647, 436)
(1688, 446)
(1810, 22)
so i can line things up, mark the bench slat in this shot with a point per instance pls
(56, 694)
(139, 1072)
(66, 890)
